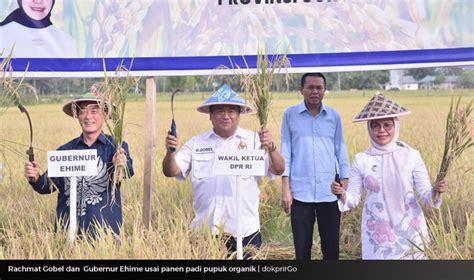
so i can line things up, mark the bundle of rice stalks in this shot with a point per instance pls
(114, 93)
(257, 85)
(458, 136)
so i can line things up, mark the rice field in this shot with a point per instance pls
(27, 218)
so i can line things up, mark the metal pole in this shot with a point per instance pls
(72, 209)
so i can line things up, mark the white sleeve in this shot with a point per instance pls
(268, 171)
(184, 159)
(256, 145)
(422, 182)
(355, 188)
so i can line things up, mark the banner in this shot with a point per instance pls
(187, 37)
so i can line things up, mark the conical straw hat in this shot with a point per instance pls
(225, 96)
(88, 97)
(380, 107)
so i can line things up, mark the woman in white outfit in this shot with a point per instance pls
(389, 171)
(29, 31)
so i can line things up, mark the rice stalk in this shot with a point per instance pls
(458, 136)
(446, 240)
(9, 95)
(114, 93)
(257, 86)
(169, 236)
(11, 86)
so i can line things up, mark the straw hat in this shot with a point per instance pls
(225, 96)
(380, 107)
(88, 97)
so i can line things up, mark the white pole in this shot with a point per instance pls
(239, 231)
(72, 209)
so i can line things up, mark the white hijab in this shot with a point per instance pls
(394, 169)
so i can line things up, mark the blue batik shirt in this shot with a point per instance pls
(310, 146)
(94, 193)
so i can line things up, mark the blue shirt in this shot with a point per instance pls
(310, 145)
(94, 193)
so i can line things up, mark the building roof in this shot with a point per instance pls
(431, 79)
(452, 79)
(407, 80)
(428, 79)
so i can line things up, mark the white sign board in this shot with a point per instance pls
(72, 163)
(239, 162)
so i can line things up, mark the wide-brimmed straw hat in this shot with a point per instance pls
(225, 96)
(88, 97)
(380, 107)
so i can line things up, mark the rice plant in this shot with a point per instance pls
(114, 92)
(27, 218)
(11, 89)
(258, 85)
(458, 136)
(11, 86)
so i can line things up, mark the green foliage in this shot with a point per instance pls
(450, 71)
(440, 78)
(358, 80)
(466, 79)
(198, 84)
(420, 73)
(186, 82)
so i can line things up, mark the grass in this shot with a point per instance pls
(26, 218)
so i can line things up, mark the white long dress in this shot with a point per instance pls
(380, 238)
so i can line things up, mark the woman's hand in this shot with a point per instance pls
(441, 186)
(338, 190)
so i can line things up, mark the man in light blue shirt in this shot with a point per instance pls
(313, 147)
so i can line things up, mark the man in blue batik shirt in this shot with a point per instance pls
(313, 147)
(94, 193)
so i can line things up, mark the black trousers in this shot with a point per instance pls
(303, 216)
(255, 240)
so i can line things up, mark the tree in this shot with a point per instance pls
(450, 71)
(363, 80)
(467, 79)
(439, 78)
(420, 73)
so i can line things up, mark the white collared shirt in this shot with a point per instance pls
(214, 199)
